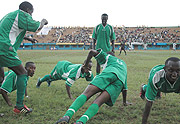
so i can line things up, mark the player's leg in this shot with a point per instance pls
(98, 69)
(120, 52)
(41, 80)
(78, 103)
(94, 107)
(1, 74)
(21, 87)
(125, 52)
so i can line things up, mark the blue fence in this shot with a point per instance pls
(81, 46)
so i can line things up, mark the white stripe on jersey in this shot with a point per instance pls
(78, 73)
(70, 81)
(157, 76)
(105, 64)
(15, 31)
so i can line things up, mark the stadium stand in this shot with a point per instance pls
(127, 34)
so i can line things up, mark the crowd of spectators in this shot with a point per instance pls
(148, 34)
(123, 34)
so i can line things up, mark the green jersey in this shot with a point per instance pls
(9, 83)
(13, 27)
(69, 72)
(157, 82)
(103, 36)
(112, 64)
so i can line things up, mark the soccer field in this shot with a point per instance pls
(50, 103)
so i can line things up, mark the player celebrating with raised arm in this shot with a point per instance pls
(111, 82)
(103, 34)
(162, 78)
(13, 27)
(9, 83)
(65, 70)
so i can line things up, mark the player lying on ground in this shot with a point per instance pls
(10, 80)
(110, 83)
(163, 78)
(13, 27)
(65, 70)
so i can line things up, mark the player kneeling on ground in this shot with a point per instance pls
(111, 82)
(65, 70)
(9, 84)
(162, 78)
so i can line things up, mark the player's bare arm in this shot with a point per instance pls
(91, 54)
(5, 96)
(30, 39)
(94, 42)
(146, 111)
(69, 91)
(124, 95)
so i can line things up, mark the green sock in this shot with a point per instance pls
(45, 78)
(91, 111)
(78, 103)
(21, 88)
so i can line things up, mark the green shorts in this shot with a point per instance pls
(55, 75)
(108, 81)
(9, 83)
(9, 60)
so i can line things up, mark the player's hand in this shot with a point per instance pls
(44, 21)
(127, 103)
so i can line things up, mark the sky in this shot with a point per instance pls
(128, 13)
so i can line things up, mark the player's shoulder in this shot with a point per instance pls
(157, 70)
(158, 67)
(97, 26)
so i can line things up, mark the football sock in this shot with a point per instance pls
(91, 111)
(78, 103)
(45, 78)
(21, 88)
(144, 87)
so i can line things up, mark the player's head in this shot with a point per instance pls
(89, 66)
(30, 67)
(172, 69)
(27, 7)
(104, 18)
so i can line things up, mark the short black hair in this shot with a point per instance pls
(104, 14)
(28, 64)
(24, 5)
(174, 59)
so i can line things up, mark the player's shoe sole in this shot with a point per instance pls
(23, 110)
(63, 120)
